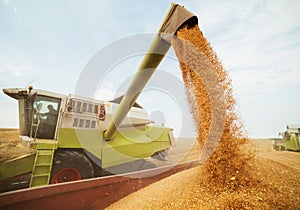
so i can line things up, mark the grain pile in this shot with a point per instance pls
(231, 176)
(274, 185)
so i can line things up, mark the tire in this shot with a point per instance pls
(70, 166)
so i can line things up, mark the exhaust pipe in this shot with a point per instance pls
(176, 18)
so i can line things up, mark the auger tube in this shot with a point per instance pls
(176, 17)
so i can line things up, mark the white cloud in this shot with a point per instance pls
(106, 94)
(9, 3)
(251, 29)
(17, 75)
(6, 2)
(260, 38)
(17, 70)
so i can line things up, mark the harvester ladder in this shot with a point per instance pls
(42, 167)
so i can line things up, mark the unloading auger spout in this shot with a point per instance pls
(176, 18)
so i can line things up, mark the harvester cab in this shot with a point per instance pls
(38, 112)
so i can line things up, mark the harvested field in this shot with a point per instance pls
(10, 146)
(274, 185)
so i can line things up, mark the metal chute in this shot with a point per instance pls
(176, 17)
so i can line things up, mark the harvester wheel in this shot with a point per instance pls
(70, 166)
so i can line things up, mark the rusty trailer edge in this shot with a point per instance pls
(97, 193)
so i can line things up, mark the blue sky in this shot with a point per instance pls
(49, 43)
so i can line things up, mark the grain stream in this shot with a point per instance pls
(219, 130)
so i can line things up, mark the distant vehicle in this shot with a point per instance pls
(290, 139)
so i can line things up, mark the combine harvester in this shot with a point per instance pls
(290, 139)
(77, 138)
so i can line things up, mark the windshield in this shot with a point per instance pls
(45, 114)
